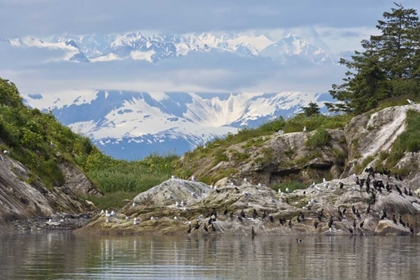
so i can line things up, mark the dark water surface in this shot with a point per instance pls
(70, 256)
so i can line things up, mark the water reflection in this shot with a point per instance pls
(69, 256)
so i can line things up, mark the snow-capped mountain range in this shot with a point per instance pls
(132, 125)
(280, 46)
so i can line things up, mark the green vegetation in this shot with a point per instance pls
(319, 139)
(408, 141)
(311, 110)
(135, 176)
(40, 142)
(388, 68)
(360, 167)
(292, 185)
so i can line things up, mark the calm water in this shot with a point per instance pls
(69, 256)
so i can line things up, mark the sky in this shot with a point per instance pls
(340, 24)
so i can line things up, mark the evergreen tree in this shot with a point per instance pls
(397, 46)
(311, 109)
(388, 66)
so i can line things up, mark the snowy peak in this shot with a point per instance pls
(280, 46)
(293, 45)
(124, 120)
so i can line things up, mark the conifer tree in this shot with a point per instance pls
(388, 66)
(311, 110)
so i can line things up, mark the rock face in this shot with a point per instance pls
(20, 200)
(337, 207)
(389, 206)
(278, 158)
(77, 181)
(283, 158)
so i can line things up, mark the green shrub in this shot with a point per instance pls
(319, 139)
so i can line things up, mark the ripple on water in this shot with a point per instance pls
(67, 256)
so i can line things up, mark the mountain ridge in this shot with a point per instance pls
(154, 47)
(165, 122)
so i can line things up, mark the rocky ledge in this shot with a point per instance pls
(364, 204)
(60, 222)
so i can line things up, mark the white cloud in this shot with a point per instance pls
(139, 55)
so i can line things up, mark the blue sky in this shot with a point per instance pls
(340, 24)
(46, 17)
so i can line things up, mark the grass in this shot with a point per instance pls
(396, 101)
(138, 176)
(408, 141)
(360, 167)
(112, 200)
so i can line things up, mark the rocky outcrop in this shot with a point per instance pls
(332, 206)
(337, 207)
(20, 200)
(365, 141)
(77, 181)
(371, 134)
(278, 158)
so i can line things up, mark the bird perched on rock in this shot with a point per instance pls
(264, 215)
(300, 217)
(402, 222)
(368, 209)
(331, 222)
(383, 216)
(411, 102)
(254, 214)
(358, 214)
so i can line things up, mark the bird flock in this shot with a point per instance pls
(278, 211)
